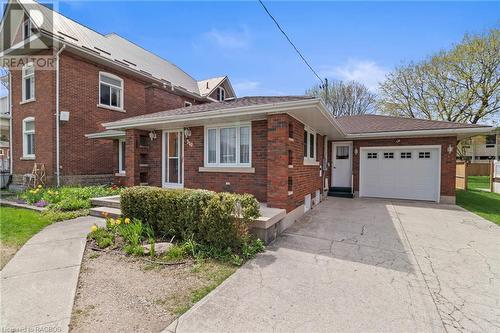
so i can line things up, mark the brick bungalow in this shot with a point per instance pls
(110, 111)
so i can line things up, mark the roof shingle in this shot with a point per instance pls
(378, 124)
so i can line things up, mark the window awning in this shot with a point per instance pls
(107, 134)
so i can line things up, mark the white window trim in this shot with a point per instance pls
(217, 146)
(25, 144)
(24, 28)
(122, 89)
(187, 104)
(121, 167)
(23, 83)
(219, 90)
(307, 158)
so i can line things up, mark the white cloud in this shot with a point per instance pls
(366, 72)
(229, 39)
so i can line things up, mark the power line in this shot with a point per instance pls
(291, 43)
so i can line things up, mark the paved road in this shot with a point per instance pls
(38, 284)
(364, 266)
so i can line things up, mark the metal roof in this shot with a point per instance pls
(111, 46)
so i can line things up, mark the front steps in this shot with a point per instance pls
(341, 192)
(106, 207)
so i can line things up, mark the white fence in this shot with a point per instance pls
(496, 176)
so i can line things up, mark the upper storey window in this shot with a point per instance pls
(28, 84)
(26, 29)
(221, 94)
(110, 90)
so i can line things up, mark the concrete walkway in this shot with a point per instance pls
(38, 284)
(364, 266)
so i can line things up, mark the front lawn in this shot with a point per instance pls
(482, 203)
(478, 182)
(16, 227)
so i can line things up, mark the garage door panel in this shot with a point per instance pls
(401, 173)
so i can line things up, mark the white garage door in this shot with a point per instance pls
(402, 173)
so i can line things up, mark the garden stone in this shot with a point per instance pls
(160, 248)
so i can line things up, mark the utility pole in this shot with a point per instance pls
(326, 90)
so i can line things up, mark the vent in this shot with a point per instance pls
(128, 62)
(66, 35)
(89, 49)
(101, 50)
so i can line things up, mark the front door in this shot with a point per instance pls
(341, 170)
(173, 175)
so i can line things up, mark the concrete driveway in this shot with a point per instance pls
(364, 266)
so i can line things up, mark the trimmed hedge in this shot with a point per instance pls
(219, 220)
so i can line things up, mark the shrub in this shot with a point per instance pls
(218, 220)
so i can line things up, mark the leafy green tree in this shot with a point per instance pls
(460, 85)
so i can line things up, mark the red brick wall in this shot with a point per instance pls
(254, 183)
(448, 161)
(79, 94)
(42, 109)
(306, 178)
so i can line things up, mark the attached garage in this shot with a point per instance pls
(403, 172)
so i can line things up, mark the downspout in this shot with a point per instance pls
(11, 162)
(58, 162)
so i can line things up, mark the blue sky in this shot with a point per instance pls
(342, 40)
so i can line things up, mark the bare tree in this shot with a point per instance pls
(345, 98)
(460, 85)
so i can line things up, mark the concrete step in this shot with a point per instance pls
(106, 212)
(111, 202)
(339, 194)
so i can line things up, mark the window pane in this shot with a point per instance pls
(212, 145)
(305, 144)
(105, 94)
(27, 88)
(245, 145)
(29, 126)
(228, 145)
(115, 97)
(173, 169)
(29, 70)
(112, 81)
(311, 145)
(30, 141)
(122, 148)
(173, 144)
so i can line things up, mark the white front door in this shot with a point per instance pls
(342, 164)
(173, 152)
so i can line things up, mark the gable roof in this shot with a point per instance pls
(241, 102)
(111, 47)
(207, 86)
(364, 124)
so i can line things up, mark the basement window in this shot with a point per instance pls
(110, 91)
(186, 104)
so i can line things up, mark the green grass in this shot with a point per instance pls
(478, 182)
(18, 225)
(484, 204)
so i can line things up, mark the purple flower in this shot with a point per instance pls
(41, 203)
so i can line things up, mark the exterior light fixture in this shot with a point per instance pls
(187, 132)
(450, 149)
(355, 151)
(152, 135)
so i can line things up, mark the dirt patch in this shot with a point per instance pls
(122, 294)
(6, 253)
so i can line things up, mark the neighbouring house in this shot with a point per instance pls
(480, 148)
(4, 134)
(124, 115)
(69, 72)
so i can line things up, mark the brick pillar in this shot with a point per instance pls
(132, 157)
(277, 161)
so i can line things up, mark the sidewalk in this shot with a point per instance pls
(38, 285)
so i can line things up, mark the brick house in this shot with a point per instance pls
(137, 119)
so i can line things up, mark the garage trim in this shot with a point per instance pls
(438, 147)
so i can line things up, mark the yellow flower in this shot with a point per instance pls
(111, 221)
(94, 228)
(127, 220)
(118, 221)
(57, 192)
(39, 186)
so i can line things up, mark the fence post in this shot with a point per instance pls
(466, 175)
(492, 174)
